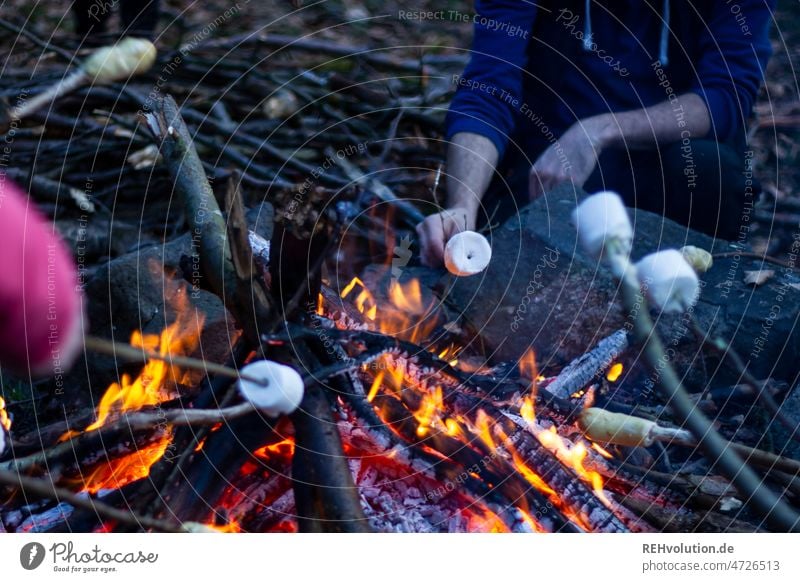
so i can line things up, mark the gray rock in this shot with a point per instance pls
(542, 291)
(144, 290)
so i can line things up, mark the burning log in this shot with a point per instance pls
(580, 372)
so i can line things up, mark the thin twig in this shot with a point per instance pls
(762, 499)
(725, 349)
(757, 256)
(45, 489)
(133, 422)
(136, 355)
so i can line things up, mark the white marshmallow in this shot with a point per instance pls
(699, 259)
(467, 253)
(601, 218)
(130, 56)
(668, 280)
(282, 394)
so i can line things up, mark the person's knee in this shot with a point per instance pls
(705, 182)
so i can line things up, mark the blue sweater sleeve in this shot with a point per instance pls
(493, 77)
(735, 49)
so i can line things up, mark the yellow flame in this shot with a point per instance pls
(453, 429)
(230, 527)
(429, 411)
(527, 410)
(614, 372)
(376, 385)
(574, 457)
(484, 430)
(407, 297)
(5, 421)
(602, 451)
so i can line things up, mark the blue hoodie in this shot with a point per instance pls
(536, 68)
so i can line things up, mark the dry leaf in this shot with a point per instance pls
(758, 277)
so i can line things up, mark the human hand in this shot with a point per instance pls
(572, 158)
(437, 229)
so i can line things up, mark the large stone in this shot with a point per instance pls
(542, 291)
(144, 291)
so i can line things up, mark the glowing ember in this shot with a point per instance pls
(614, 372)
(283, 449)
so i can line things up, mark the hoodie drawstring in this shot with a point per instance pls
(662, 46)
(587, 26)
(663, 43)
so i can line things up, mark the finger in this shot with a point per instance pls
(429, 232)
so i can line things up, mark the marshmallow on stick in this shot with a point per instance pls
(600, 219)
(280, 391)
(467, 253)
(118, 62)
(668, 280)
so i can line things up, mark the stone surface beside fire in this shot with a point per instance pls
(540, 290)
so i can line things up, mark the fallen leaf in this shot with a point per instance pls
(758, 277)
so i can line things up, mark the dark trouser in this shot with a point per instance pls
(138, 18)
(700, 183)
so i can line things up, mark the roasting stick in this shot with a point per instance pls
(135, 355)
(45, 489)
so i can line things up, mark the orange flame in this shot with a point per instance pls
(573, 456)
(614, 372)
(150, 386)
(155, 384)
(230, 527)
(429, 411)
(365, 301)
(283, 449)
(127, 469)
(5, 421)
(407, 297)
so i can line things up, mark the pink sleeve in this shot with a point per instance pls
(40, 302)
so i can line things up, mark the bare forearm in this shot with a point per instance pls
(471, 161)
(663, 123)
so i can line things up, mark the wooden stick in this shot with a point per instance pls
(756, 256)
(135, 422)
(136, 355)
(45, 489)
(763, 500)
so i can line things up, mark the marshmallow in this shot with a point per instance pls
(467, 253)
(699, 259)
(130, 56)
(602, 218)
(283, 390)
(668, 280)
